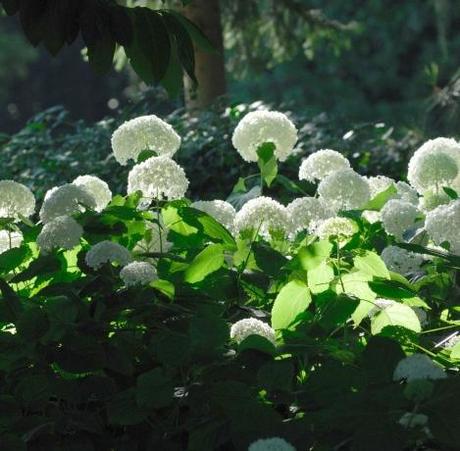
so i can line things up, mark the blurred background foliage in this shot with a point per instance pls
(370, 78)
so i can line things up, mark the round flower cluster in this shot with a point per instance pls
(306, 211)
(341, 228)
(138, 273)
(107, 252)
(399, 216)
(442, 225)
(158, 178)
(379, 184)
(271, 444)
(344, 190)
(144, 133)
(9, 240)
(406, 193)
(15, 200)
(62, 232)
(417, 366)
(322, 163)
(262, 214)
(261, 127)
(95, 187)
(220, 210)
(250, 326)
(65, 200)
(401, 261)
(154, 240)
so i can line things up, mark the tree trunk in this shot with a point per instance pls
(209, 67)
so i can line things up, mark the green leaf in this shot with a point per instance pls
(293, 299)
(319, 278)
(267, 162)
(268, 260)
(10, 307)
(206, 262)
(276, 375)
(370, 263)
(450, 192)
(381, 199)
(257, 343)
(314, 254)
(165, 287)
(395, 315)
(333, 310)
(154, 389)
(208, 336)
(124, 410)
(13, 258)
(455, 351)
(32, 324)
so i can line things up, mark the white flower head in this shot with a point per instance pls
(322, 163)
(260, 127)
(303, 212)
(158, 178)
(154, 240)
(378, 184)
(341, 228)
(344, 190)
(406, 193)
(10, 240)
(251, 326)
(138, 273)
(62, 232)
(442, 225)
(401, 260)
(107, 252)
(418, 366)
(15, 200)
(271, 444)
(65, 200)
(144, 133)
(222, 211)
(95, 187)
(399, 216)
(262, 214)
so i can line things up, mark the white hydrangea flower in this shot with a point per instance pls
(263, 214)
(401, 260)
(95, 187)
(322, 163)
(15, 200)
(251, 326)
(372, 216)
(406, 193)
(399, 216)
(271, 444)
(379, 184)
(65, 200)
(344, 190)
(107, 252)
(222, 211)
(306, 211)
(442, 225)
(144, 133)
(418, 366)
(435, 164)
(342, 228)
(62, 232)
(10, 240)
(154, 240)
(158, 178)
(138, 273)
(260, 127)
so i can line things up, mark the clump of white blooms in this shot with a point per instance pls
(379, 184)
(435, 164)
(399, 216)
(138, 273)
(442, 225)
(262, 214)
(417, 366)
(10, 240)
(401, 260)
(407, 193)
(322, 163)
(271, 444)
(243, 328)
(158, 178)
(95, 187)
(65, 200)
(15, 200)
(62, 232)
(154, 240)
(144, 133)
(344, 190)
(261, 127)
(305, 212)
(341, 228)
(107, 252)
(220, 210)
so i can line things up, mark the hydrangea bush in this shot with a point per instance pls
(148, 321)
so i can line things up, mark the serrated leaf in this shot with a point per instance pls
(370, 263)
(206, 262)
(319, 278)
(395, 315)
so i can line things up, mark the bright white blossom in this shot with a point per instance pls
(401, 260)
(107, 252)
(339, 227)
(222, 211)
(442, 225)
(399, 216)
(15, 200)
(344, 190)
(251, 326)
(260, 127)
(262, 214)
(144, 133)
(378, 184)
(138, 273)
(271, 444)
(417, 366)
(407, 193)
(158, 178)
(322, 163)
(10, 240)
(305, 211)
(95, 187)
(65, 200)
(62, 232)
